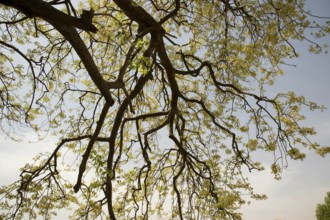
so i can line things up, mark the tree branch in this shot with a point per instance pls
(44, 10)
(90, 145)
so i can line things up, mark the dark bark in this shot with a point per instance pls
(44, 10)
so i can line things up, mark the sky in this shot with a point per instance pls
(303, 184)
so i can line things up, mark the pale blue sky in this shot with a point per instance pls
(304, 184)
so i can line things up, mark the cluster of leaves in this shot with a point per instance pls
(159, 105)
(323, 210)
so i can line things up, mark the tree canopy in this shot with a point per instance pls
(159, 105)
(323, 210)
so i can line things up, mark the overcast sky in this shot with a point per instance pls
(303, 184)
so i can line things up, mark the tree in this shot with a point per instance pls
(323, 210)
(112, 79)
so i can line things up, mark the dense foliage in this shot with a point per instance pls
(323, 210)
(159, 105)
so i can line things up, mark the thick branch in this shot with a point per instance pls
(83, 163)
(39, 8)
(136, 13)
(66, 25)
(71, 35)
(112, 139)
